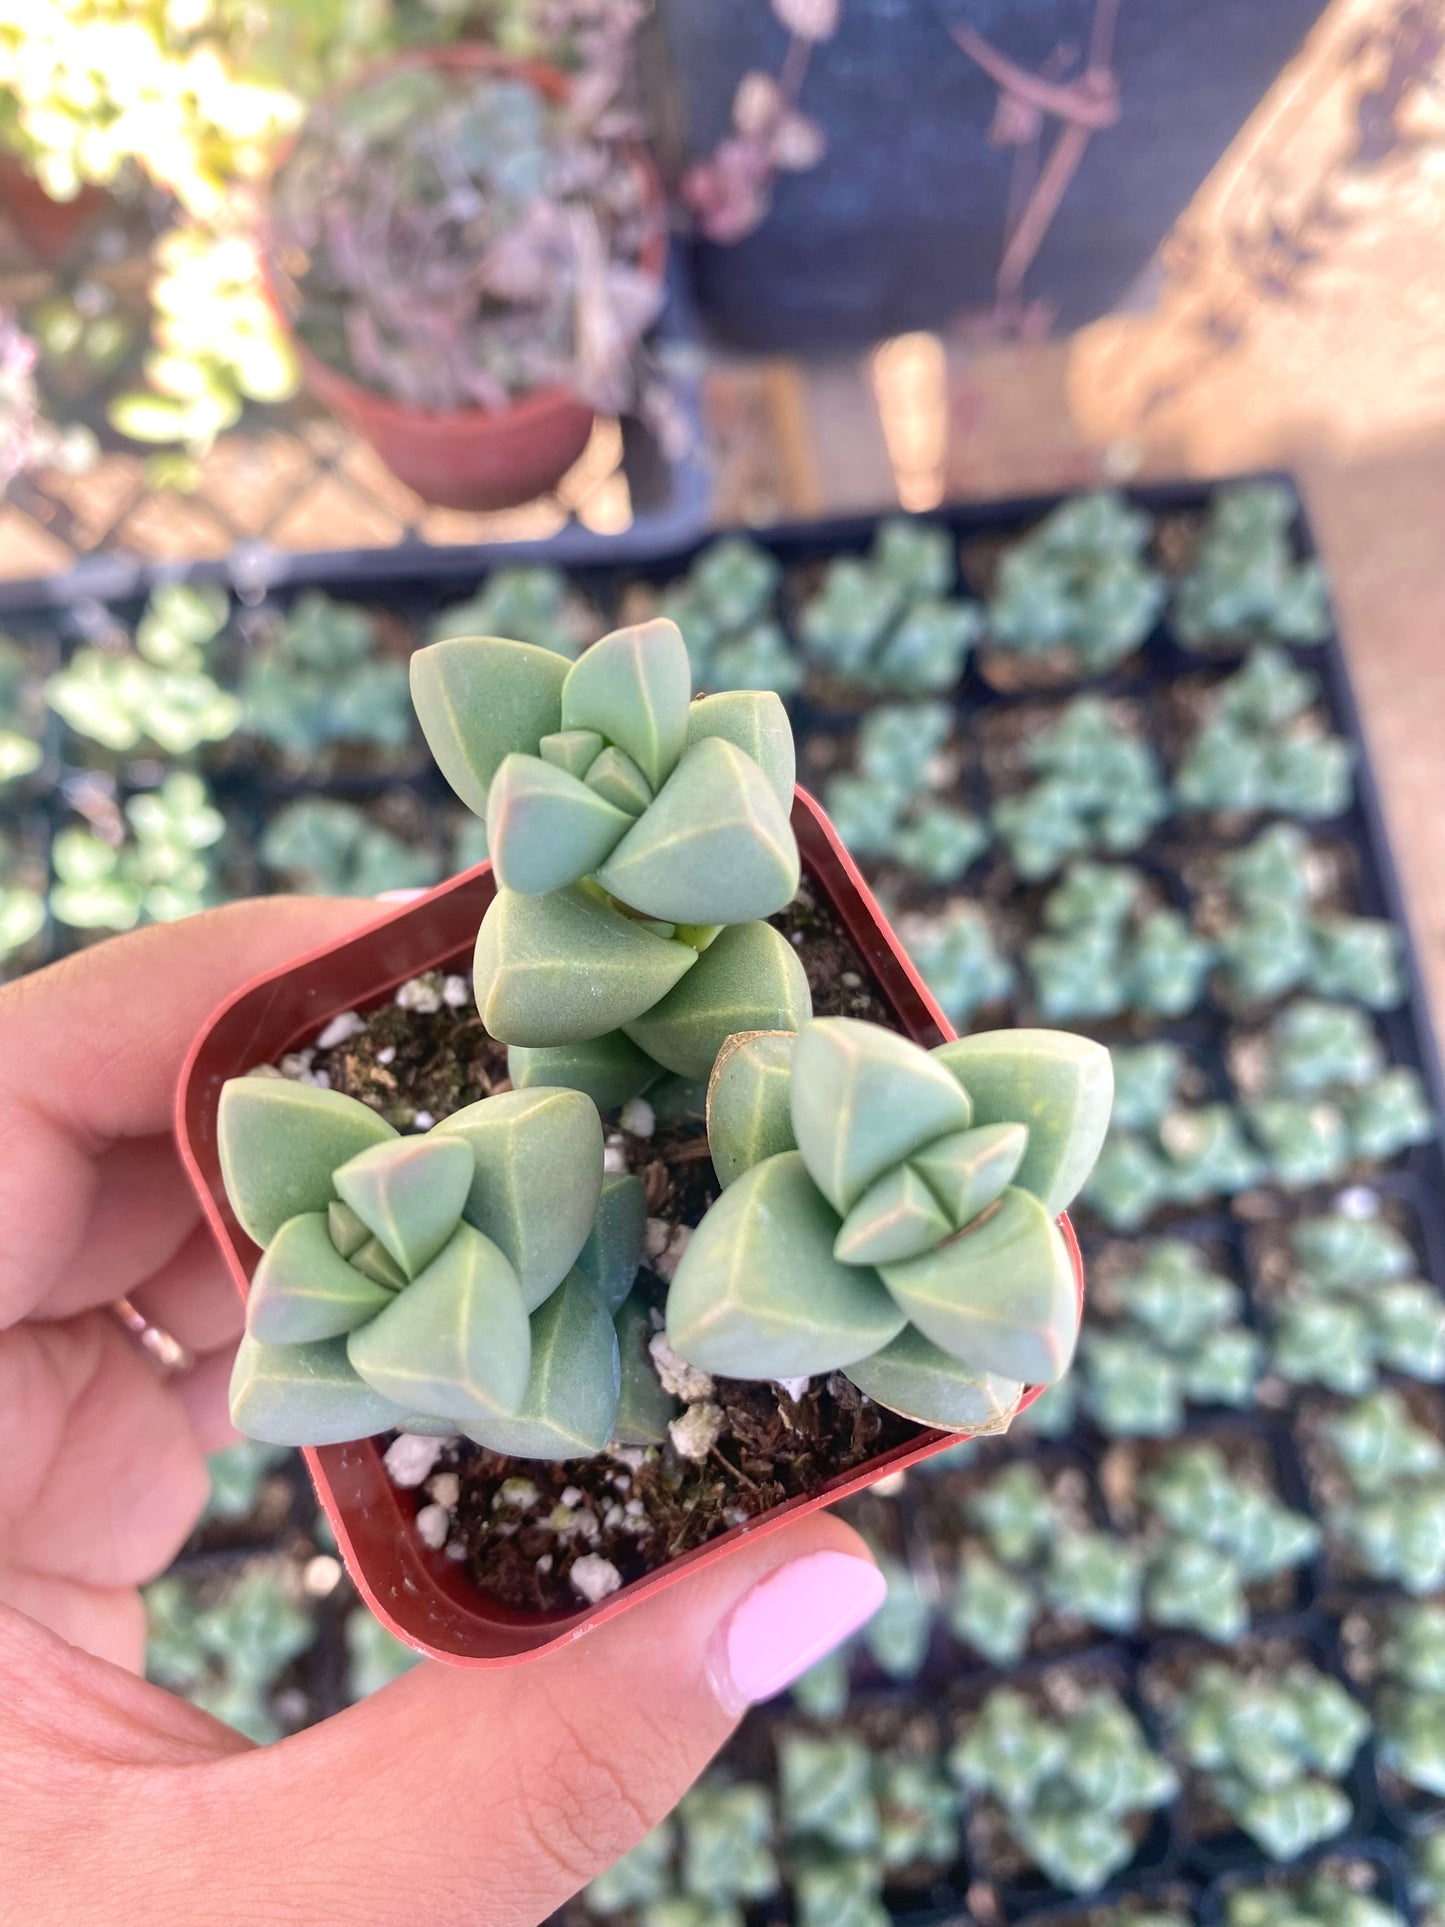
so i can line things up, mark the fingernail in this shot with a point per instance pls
(788, 1622)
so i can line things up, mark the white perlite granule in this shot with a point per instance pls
(433, 1524)
(684, 1381)
(517, 1492)
(614, 1155)
(793, 1388)
(342, 1028)
(446, 1489)
(456, 993)
(663, 1245)
(698, 1430)
(421, 994)
(422, 1121)
(571, 1495)
(638, 1117)
(410, 1458)
(387, 1056)
(594, 1577)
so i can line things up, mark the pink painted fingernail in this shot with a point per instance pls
(788, 1622)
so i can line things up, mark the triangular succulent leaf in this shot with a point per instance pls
(863, 1100)
(613, 1251)
(897, 1217)
(304, 1395)
(607, 1069)
(374, 1261)
(633, 687)
(914, 1378)
(574, 750)
(545, 829)
(456, 1343)
(1000, 1296)
(748, 978)
(566, 968)
(714, 846)
(969, 1169)
(618, 781)
(1060, 1085)
(408, 1193)
(748, 1115)
(756, 721)
(570, 1404)
(279, 1143)
(304, 1289)
(478, 698)
(536, 1178)
(348, 1234)
(758, 1292)
(643, 1407)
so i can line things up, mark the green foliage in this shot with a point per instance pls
(22, 905)
(319, 680)
(959, 958)
(1261, 747)
(21, 720)
(887, 621)
(890, 807)
(162, 868)
(1394, 1519)
(529, 602)
(227, 1648)
(1069, 1782)
(447, 1274)
(1161, 1151)
(1096, 788)
(1273, 1746)
(1079, 582)
(1427, 1870)
(237, 1477)
(1331, 1096)
(1321, 1899)
(1244, 583)
(1410, 1705)
(1107, 952)
(156, 690)
(324, 847)
(817, 1258)
(726, 608)
(1351, 1307)
(1178, 1342)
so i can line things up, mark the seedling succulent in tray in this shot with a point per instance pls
(1078, 586)
(1392, 1519)
(1410, 1702)
(529, 603)
(161, 865)
(1106, 952)
(1354, 1305)
(22, 714)
(959, 957)
(1329, 1897)
(889, 621)
(22, 900)
(1328, 1096)
(1261, 746)
(891, 806)
(1245, 583)
(1097, 789)
(318, 681)
(323, 846)
(726, 608)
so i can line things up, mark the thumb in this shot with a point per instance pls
(453, 1799)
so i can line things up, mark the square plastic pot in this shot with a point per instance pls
(425, 1599)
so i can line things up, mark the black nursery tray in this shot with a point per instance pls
(1172, 1864)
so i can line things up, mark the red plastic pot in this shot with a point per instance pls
(49, 228)
(468, 458)
(421, 1596)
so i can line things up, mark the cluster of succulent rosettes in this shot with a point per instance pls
(1162, 1151)
(530, 603)
(1273, 1745)
(1244, 583)
(1353, 1306)
(323, 846)
(1069, 1780)
(1275, 941)
(163, 866)
(1097, 789)
(725, 607)
(959, 956)
(1213, 1533)
(21, 714)
(319, 680)
(1107, 950)
(1324, 1898)
(22, 898)
(1079, 585)
(226, 1651)
(891, 1212)
(638, 839)
(1409, 1704)
(1262, 745)
(891, 805)
(461, 1280)
(1393, 1520)
(889, 621)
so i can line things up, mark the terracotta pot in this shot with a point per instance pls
(466, 458)
(421, 1596)
(49, 228)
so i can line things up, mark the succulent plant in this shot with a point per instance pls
(1105, 952)
(1068, 1783)
(530, 603)
(324, 847)
(237, 1476)
(1179, 1342)
(1353, 1306)
(1273, 1745)
(898, 1636)
(464, 1275)
(1260, 747)
(317, 680)
(158, 691)
(1315, 1046)
(1427, 1871)
(726, 1842)
(834, 1889)
(889, 807)
(21, 749)
(888, 621)
(1097, 788)
(1244, 583)
(22, 904)
(1348, 1251)
(725, 607)
(226, 1650)
(1330, 1053)
(1410, 1705)
(455, 239)
(162, 868)
(1080, 583)
(1222, 1533)
(1163, 1152)
(959, 958)
(638, 838)
(1394, 1519)
(890, 1212)
(1322, 1898)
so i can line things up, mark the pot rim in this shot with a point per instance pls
(467, 55)
(427, 1601)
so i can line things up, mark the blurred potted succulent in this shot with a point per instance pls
(890, 620)
(1261, 746)
(1096, 788)
(318, 685)
(326, 847)
(725, 607)
(468, 249)
(1108, 950)
(885, 1239)
(152, 863)
(1244, 582)
(530, 603)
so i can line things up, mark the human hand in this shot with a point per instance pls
(447, 1798)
